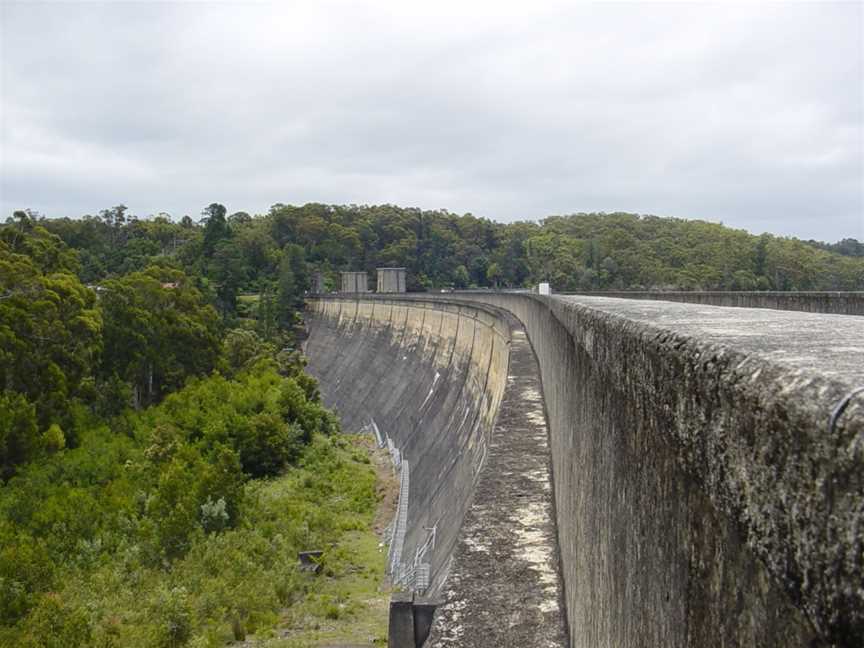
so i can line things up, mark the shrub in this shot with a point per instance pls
(214, 516)
(185, 485)
(55, 623)
(242, 348)
(152, 532)
(26, 570)
(170, 618)
(53, 438)
(18, 438)
(267, 443)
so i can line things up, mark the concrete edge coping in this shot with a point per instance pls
(454, 306)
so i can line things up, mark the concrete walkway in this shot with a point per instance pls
(504, 587)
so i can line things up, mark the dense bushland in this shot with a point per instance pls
(440, 249)
(152, 531)
(161, 462)
(127, 342)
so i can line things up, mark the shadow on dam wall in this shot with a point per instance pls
(430, 377)
(700, 500)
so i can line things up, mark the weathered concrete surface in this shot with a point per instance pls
(504, 587)
(837, 303)
(402, 364)
(700, 499)
(832, 346)
(431, 377)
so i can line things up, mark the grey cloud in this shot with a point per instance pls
(749, 115)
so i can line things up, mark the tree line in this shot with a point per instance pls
(105, 309)
(240, 253)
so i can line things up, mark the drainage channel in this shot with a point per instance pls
(504, 586)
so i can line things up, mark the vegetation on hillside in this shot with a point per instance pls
(155, 539)
(239, 252)
(162, 458)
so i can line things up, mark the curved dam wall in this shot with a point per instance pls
(837, 303)
(701, 499)
(430, 377)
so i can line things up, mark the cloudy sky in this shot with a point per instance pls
(752, 115)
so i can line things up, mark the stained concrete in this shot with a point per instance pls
(470, 420)
(430, 377)
(700, 499)
(391, 280)
(355, 282)
(504, 587)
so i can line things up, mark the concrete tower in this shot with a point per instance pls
(391, 280)
(355, 282)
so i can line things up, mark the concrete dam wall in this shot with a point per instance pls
(456, 390)
(415, 373)
(700, 497)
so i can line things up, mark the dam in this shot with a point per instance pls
(594, 471)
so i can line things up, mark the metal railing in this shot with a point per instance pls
(394, 558)
(413, 575)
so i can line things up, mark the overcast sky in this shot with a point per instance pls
(752, 115)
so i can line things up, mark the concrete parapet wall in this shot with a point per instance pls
(837, 303)
(431, 376)
(701, 500)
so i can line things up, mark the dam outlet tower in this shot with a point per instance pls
(391, 280)
(355, 282)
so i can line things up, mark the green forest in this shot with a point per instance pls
(164, 455)
(237, 253)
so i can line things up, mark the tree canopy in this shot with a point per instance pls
(242, 253)
(158, 330)
(50, 338)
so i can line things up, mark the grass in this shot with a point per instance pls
(348, 607)
(348, 601)
(240, 586)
